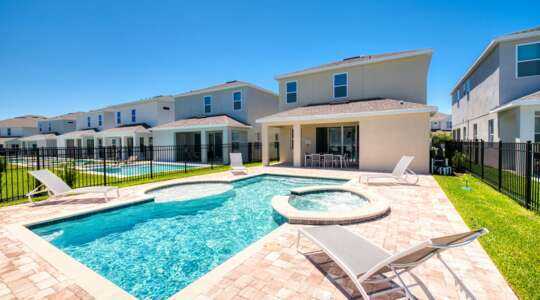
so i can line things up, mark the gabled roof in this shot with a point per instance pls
(22, 121)
(39, 137)
(68, 117)
(224, 86)
(439, 116)
(125, 130)
(349, 109)
(78, 133)
(209, 121)
(153, 100)
(527, 33)
(530, 99)
(358, 60)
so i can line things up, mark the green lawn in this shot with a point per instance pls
(514, 239)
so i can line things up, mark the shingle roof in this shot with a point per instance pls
(358, 60)
(22, 121)
(39, 137)
(223, 86)
(532, 96)
(537, 28)
(349, 108)
(439, 116)
(124, 130)
(221, 120)
(68, 116)
(86, 132)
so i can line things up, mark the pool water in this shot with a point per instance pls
(135, 170)
(328, 201)
(153, 250)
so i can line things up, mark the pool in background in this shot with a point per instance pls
(153, 250)
(142, 169)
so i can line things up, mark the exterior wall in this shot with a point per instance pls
(442, 124)
(484, 96)
(259, 105)
(152, 114)
(58, 126)
(285, 145)
(509, 125)
(108, 120)
(19, 131)
(511, 87)
(384, 140)
(403, 79)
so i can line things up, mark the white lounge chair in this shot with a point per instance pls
(401, 172)
(365, 262)
(237, 164)
(56, 187)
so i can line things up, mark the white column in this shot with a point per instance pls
(297, 145)
(265, 144)
(96, 148)
(204, 147)
(226, 145)
(124, 147)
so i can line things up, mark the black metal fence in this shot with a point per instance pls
(82, 167)
(512, 168)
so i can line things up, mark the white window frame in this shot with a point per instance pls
(118, 117)
(204, 104)
(100, 120)
(287, 92)
(516, 60)
(241, 100)
(334, 85)
(133, 115)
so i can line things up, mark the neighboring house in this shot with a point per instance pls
(122, 125)
(371, 109)
(48, 129)
(498, 98)
(217, 117)
(441, 122)
(13, 129)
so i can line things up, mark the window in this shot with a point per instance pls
(207, 104)
(237, 100)
(166, 108)
(118, 117)
(40, 129)
(491, 131)
(465, 133)
(49, 127)
(100, 120)
(9, 131)
(458, 134)
(537, 127)
(258, 136)
(133, 116)
(458, 95)
(340, 85)
(449, 124)
(467, 86)
(88, 122)
(291, 91)
(528, 60)
(475, 131)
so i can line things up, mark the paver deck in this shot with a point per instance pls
(271, 268)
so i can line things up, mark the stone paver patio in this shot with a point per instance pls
(271, 268)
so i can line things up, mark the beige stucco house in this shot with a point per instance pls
(11, 130)
(371, 109)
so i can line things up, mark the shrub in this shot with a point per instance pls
(440, 137)
(458, 161)
(69, 174)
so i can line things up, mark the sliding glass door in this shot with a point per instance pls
(337, 140)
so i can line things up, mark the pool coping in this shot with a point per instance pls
(102, 288)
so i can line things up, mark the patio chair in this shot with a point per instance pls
(401, 172)
(365, 262)
(328, 159)
(315, 158)
(56, 187)
(237, 164)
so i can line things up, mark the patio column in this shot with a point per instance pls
(297, 145)
(226, 145)
(265, 145)
(204, 147)
(96, 148)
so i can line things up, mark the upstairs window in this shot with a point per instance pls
(40, 129)
(237, 100)
(9, 131)
(88, 122)
(133, 116)
(340, 85)
(118, 117)
(290, 91)
(100, 120)
(207, 100)
(49, 128)
(467, 86)
(528, 60)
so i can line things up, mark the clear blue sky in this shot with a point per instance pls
(63, 56)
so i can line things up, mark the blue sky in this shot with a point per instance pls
(63, 56)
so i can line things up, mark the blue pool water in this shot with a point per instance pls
(153, 250)
(328, 201)
(137, 170)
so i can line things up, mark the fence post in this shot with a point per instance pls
(104, 154)
(528, 175)
(482, 159)
(152, 160)
(500, 165)
(471, 144)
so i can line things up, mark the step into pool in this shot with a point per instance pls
(153, 250)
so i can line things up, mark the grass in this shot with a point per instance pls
(514, 239)
(23, 182)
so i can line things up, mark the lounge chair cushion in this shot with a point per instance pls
(355, 252)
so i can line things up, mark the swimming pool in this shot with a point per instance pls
(141, 169)
(153, 250)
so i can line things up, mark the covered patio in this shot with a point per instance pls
(371, 135)
(126, 141)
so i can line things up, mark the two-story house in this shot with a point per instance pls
(11, 130)
(370, 109)
(441, 122)
(220, 118)
(49, 129)
(498, 98)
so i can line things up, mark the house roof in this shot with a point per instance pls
(209, 121)
(224, 86)
(531, 32)
(38, 137)
(155, 99)
(439, 116)
(350, 109)
(22, 121)
(530, 99)
(358, 60)
(78, 133)
(125, 130)
(68, 116)
(531, 96)
(4, 140)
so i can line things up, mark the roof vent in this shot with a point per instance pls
(232, 81)
(352, 57)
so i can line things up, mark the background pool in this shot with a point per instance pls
(137, 170)
(153, 250)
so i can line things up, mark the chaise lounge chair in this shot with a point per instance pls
(56, 187)
(365, 262)
(401, 172)
(237, 164)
